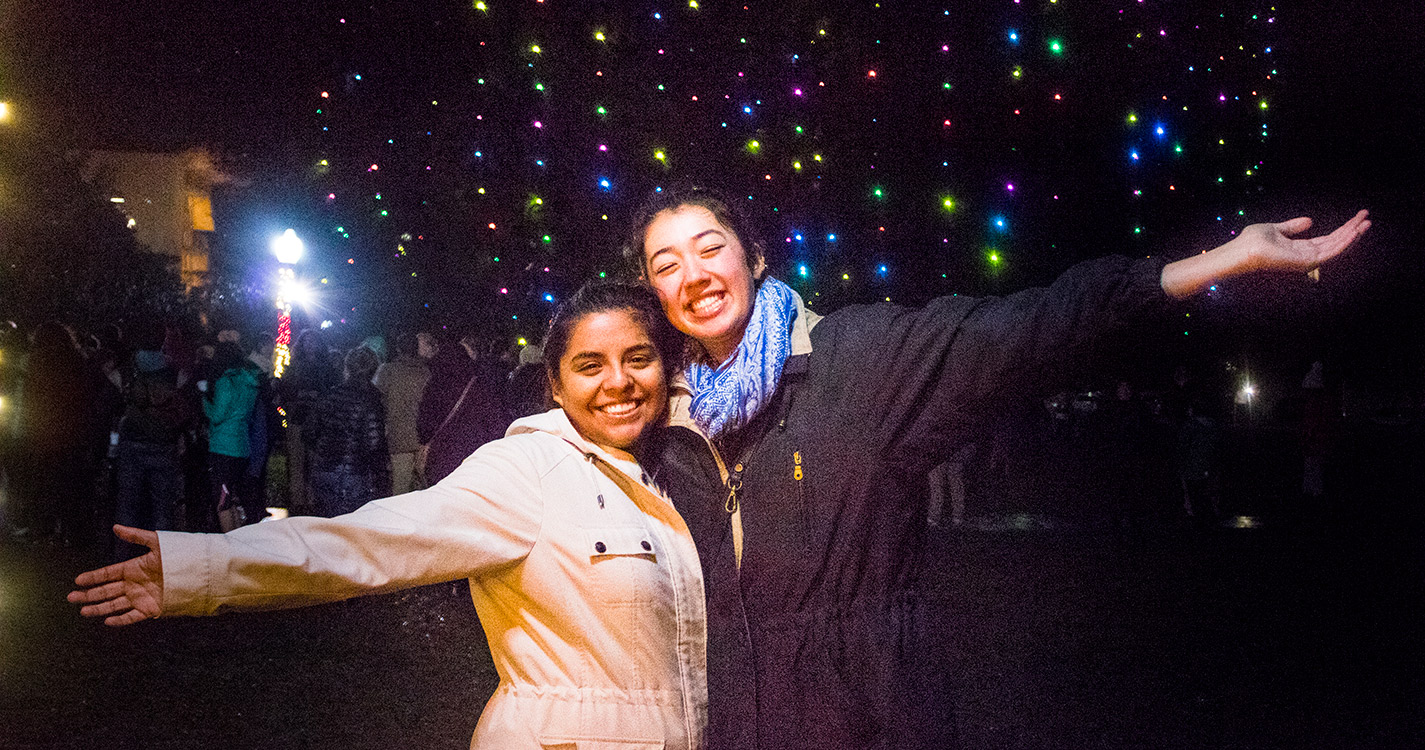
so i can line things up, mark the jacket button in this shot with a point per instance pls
(646, 546)
(599, 547)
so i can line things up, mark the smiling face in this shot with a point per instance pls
(611, 381)
(703, 276)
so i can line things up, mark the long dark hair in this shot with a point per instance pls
(727, 211)
(603, 296)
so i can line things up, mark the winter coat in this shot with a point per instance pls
(450, 371)
(480, 415)
(230, 412)
(347, 430)
(401, 382)
(822, 637)
(584, 578)
(156, 412)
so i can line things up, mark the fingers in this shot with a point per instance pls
(97, 576)
(127, 618)
(136, 536)
(97, 594)
(1294, 226)
(118, 604)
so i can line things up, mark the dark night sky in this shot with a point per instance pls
(173, 73)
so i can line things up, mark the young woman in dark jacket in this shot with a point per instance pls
(798, 448)
(346, 434)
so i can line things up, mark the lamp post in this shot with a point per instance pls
(288, 248)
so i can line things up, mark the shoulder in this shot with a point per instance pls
(538, 453)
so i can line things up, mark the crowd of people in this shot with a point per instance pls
(152, 425)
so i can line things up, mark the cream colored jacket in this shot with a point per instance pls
(584, 577)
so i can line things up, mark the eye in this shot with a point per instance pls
(711, 249)
(664, 269)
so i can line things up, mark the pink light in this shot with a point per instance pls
(947, 123)
(739, 74)
(1221, 97)
(539, 124)
(603, 147)
(944, 48)
(372, 168)
(503, 290)
(331, 196)
(798, 92)
(1009, 186)
(870, 74)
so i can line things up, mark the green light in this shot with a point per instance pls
(1137, 230)
(1056, 46)
(383, 212)
(547, 239)
(799, 129)
(1132, 118)
(993, 256)
(946, 86)
(754, 146)
(601, 111)
(603, 274)
(878, 192)
(948, 203)
(480, 81)
(538, 86)
(1018, 72)
(1178, 148)
(660, 87)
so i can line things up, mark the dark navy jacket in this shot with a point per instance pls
(822, 639)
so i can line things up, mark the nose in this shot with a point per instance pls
(618, 379)
(695, 273)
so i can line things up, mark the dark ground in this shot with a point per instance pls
(1072, 630)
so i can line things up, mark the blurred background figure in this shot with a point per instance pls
(228, 402)
(479, 415)
(346, 440)
(307, 379)
(401, 383)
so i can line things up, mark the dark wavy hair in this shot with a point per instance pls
(603, 296)
(727, 211)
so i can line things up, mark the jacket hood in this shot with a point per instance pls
(556, 422)
(242, 374)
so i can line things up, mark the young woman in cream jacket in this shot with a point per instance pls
(584, 577)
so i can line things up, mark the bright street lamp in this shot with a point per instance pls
(288, 247)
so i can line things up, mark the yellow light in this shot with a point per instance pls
(816, 157)
(797, 166)
(949, 204)
(534, 48)
(845, 277)
(693, 4)
(599, 36)
(660, 156)
(116, 200)
(4, 111)
(522, 341)
(481, 6)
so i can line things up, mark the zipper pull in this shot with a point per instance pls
(734, 483)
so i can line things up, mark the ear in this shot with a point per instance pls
(759, 266)
(554, 392)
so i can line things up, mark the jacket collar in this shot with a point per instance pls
(556, 422)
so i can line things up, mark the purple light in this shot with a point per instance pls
(798, 92)
(538, 124)
(603, 147)
(1009, 186)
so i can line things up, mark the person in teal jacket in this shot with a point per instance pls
(228, 405)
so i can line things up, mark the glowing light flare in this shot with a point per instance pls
(288, 247)
(599, 36)
(1056, 46)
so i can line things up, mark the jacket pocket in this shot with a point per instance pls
(560, 743)
(623, 563)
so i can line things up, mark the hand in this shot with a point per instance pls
(1261, 247)
(1271, 247)
(127, 592)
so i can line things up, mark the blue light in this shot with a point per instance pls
(802, 270)
(1161, 131)
(883, 270)
(747, 110)
(999, 223)
(605, 184)
(658, 16)
(548, 298)
(1133, 154)
(830, 238)
(1014, 36)
(479, 154)
(358, 76)
(799, 238)
(540, 162)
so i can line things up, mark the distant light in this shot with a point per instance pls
(326, 324)
(116, 199)
(1014, 36)
(605, 184)
(883, 270)
(548, 298)
(534, 48)
(599, 36)
(802, 270)
(830, 238)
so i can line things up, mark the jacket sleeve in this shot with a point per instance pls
(485, 515)
(957, 360)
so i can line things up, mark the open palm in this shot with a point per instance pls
(127, 592)
(1274, 247)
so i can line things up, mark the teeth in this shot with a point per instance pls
(704, 304)
(619, 410)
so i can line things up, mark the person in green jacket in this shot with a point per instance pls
(228, 405)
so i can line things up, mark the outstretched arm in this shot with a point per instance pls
(127, 592)
(1261, 247)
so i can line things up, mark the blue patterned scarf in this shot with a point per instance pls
(727, 398)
